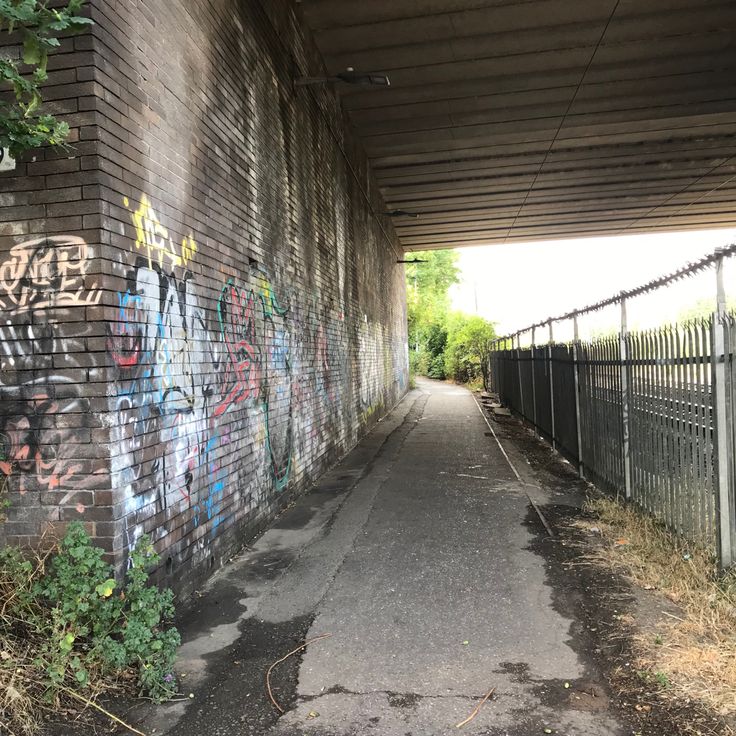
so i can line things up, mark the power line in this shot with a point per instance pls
(562, 121)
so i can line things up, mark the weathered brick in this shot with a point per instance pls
(226, 316)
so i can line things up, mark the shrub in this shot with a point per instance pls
(436, 340)
(437, 368)
(468, 348)
(68, 627)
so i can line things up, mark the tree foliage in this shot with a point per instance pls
(703, 309)
(427, 286)
(22, 124)
(468, 348)
(443, 343)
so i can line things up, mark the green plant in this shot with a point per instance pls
(37, 27)
(468, 348)
(120, 628)
(437, 368)
(68, 626)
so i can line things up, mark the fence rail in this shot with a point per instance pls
(647, 415)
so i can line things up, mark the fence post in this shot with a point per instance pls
(491, 363)
(625, 397)
(576, 375)
(722, 426)
(518, 371)
(551, 386)
(534, 383)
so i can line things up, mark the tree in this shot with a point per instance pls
(469, 343)
(443, 343)
(37, 27)
(428, 303)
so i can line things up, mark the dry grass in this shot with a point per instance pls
(692, 654)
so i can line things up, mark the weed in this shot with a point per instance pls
(67, 625)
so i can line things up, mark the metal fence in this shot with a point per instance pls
(647, 415)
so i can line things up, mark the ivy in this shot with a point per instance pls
(37, 27)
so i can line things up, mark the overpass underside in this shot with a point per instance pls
(514, 120)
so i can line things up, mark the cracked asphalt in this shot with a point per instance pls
(420, 556)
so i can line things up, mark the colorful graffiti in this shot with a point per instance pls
(225, 389)
(43, 282)
(193, 392)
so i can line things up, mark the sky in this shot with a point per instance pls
(517, 284)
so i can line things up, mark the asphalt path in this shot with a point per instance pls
(419, 556)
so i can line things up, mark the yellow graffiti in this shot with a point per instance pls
(188, 249)
(154, 239)
(370, 412)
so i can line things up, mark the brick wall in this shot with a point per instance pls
(222, 315)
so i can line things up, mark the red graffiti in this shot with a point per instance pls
(124, 342)
(124, 360)
(37, 452)
(242, 377)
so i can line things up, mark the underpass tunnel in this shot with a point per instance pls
(204, 341)
(203, 296)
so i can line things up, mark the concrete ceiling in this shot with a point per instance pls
(513, 120)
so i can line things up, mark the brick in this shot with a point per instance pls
(145, 416)
(41, 168)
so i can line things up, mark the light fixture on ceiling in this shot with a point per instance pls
(349, 76)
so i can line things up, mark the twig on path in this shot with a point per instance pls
(284, 658)
(477, 709)
(89, 703)
(98, 707)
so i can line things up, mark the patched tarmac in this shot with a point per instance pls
(423, 559)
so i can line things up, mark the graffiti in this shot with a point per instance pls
(194, 389)
(163, 403)
(48, 272)
(43, 282)
(370, 361)
(277, 395)
(35, 450)
(226, 390)
(154, 239)
(242, 377)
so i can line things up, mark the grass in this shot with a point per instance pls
(691, 655)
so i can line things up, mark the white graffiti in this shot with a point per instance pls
(47, 272)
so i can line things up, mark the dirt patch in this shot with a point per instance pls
(403, 700)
